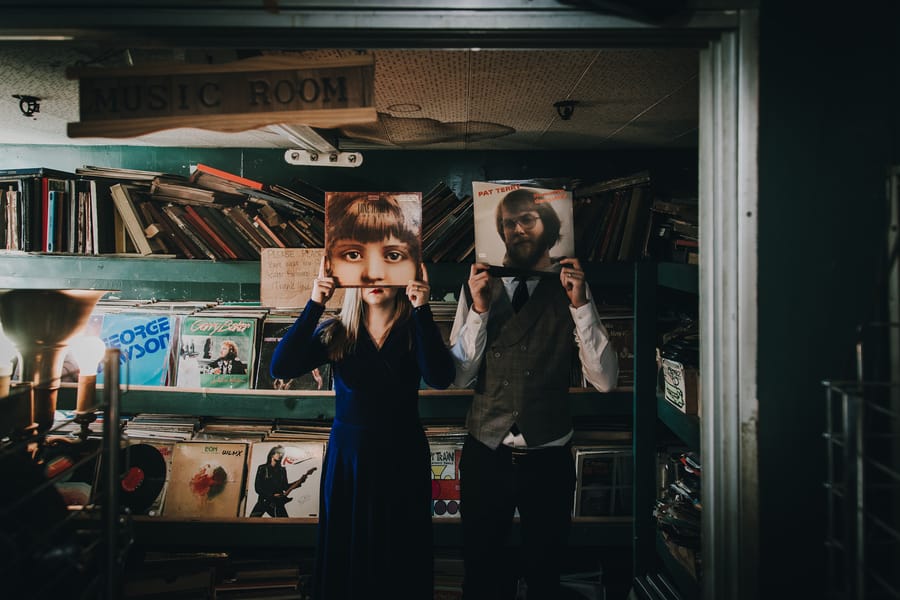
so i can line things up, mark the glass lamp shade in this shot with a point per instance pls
(40, 324)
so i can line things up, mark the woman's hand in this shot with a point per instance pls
(323, 287)
(418, 291)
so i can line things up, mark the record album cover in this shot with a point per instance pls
(520, 229)
(273, 329)
(373, 238)
(217, 351)
(147, 466)
(301, 462)
(144, 340)
(207, 479)
(445, 480)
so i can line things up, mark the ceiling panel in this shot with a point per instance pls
(426, 99)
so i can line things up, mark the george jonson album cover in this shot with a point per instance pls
(373, 238)
(207, 479)
(522, 229)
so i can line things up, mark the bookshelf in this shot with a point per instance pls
(685, 428)
(178, 279)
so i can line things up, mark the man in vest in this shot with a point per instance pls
(514, 340)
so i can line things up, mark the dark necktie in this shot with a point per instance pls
(520, 295)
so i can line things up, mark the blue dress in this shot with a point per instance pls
(375, 529)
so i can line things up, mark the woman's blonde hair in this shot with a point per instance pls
(341, 334)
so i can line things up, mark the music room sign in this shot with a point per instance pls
(236, 96)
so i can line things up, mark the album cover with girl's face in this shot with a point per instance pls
(521, 229)
(373, 239)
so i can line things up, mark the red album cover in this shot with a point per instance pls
(207, 479)
(445, 480)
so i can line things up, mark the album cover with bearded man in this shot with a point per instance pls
(521, 229)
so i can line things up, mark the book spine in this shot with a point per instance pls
(230, 177)
(129, 215)
(51, 234)
(242, 220)
(180, 240)
(229, 232)
(175, 214)
(206, 230)
(263, 226)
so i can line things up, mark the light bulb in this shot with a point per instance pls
(8, 354)
(88, 351)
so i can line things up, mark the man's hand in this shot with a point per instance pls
(479, 285)
(572, 278)
(323, 287)
(418, 291)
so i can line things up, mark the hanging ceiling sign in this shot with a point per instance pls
(236, 96)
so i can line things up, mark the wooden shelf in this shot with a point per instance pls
(254, 532)
(148, 277)
(685, 278)
(293, 404)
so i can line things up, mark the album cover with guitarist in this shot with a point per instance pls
(283, 479)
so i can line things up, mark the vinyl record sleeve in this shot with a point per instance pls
(273, 329)
(492, 239)
(373, 238)
(207, 479)
(144, 340)
(300, 458)
(144, 477)
(445, 496)
(202, 361)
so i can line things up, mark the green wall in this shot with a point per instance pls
(396, 170)
(828, 133)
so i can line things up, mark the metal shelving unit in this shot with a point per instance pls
(862, 484)
(51, 548)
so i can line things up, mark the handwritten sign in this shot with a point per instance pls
(286, 277)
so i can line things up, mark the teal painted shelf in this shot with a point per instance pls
(686, 427)
(238, 533)
(271, 404)
(686, 583)
(685, 278)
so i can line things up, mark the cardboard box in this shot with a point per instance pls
(682, 386)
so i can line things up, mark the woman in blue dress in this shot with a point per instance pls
(375, 530)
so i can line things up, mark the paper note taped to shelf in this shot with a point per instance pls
(682, 386)
(286, 277)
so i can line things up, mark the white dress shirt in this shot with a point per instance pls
(599, 362)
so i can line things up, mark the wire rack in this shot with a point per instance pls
(863, 484)
(48, 548)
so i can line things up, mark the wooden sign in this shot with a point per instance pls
(286, 277)
(235, 96)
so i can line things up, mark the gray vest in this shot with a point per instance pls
(525, 372)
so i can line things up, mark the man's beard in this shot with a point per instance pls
(525, 253)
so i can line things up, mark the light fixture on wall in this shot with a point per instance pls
(28, 104)
(565, 109)
(314, 150)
